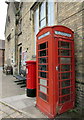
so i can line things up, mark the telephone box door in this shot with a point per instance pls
(65, 74)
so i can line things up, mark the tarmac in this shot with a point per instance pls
(15, 104)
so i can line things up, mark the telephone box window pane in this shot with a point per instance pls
(64, 52)
(43, 67)
(65, 99)
(43, 74)
(65, 75)
(66, 83)
(65, 60)
(65, 91)
(63, 44)
(42, 46)
(43, 96)
(43, 89)
(43, 53)
(65, 68)
(43, 82)
(43, 60)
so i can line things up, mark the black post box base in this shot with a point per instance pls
(31, 92)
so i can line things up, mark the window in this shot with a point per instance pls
(43, 16)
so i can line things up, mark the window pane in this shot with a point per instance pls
(43, 60)
(66, 83)
(43, 23)
(65, 99)
(42, 46)
(42, 53)
(43, 89)
(65, 60)
(43, 82)
(63, 44)
(65, 75)
(36, 27)
(50, 13)
(65, 91)
(43, 96)
(43, 74)
(42, 10)
(43, 67)
(65, 68)
(64, 52)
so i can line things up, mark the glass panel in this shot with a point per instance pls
(63, 44)
(65, 68)
(65, 60)
(66, 83)
(43, 82)
(43, 96)
(43, 53)
(43, 60)
(50, 13)
(43, 67)
(42, 10)
(64, 52)
(43, 74)
(36, 27)
(43, 89)
(65, 75)
(65, 99)
(43, 23)
(65, 91)
(42, 46)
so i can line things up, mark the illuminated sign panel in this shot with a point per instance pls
(62, 33)
(44, 35)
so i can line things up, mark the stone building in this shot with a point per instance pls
(2, 53)
(25, 19)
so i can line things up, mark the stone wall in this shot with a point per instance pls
(72, 15)
(10, 29)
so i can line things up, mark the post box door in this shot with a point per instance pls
(65, 73)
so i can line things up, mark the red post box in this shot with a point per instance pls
(31, 78)
(55, 70)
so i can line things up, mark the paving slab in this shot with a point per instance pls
(24, 104)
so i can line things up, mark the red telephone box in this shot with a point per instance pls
(55, 70)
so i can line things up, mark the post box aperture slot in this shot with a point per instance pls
(62, 44)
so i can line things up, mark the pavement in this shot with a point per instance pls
(15, 104)
(13, 100)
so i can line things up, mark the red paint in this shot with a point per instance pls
(57, 96)
(31, 74)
